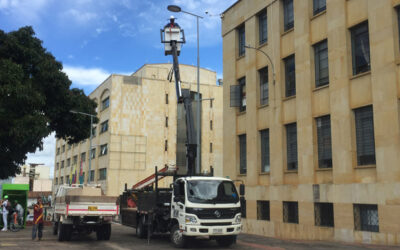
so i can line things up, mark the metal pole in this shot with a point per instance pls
(198, 167)
(90, 149)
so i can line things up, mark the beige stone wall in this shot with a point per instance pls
(346, 183)
(137, 132)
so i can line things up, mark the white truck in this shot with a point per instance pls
(84, 209)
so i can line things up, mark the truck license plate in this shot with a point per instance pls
(92, 208)
(217, 230)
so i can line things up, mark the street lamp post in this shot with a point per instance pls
(269, 58)
(175, 8)
(90, 140)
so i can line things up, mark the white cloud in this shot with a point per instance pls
(86, 76)
(80, 16)
(24, 11)
(46, 156)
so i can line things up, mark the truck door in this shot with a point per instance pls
(178, 202)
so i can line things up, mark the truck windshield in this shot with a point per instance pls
(211, 191)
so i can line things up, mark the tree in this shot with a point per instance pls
(35, 100)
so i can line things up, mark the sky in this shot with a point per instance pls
(95, 38)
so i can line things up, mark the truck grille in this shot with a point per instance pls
(216, 224)
(213, 213)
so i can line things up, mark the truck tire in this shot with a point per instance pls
(177, 238)
(106, 231)
(60, 231)
(55, 228)
(67, 232)
(226, 241)
(99, 232)
(141, 229)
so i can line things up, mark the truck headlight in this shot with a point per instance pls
(189, 219)
(238, 219)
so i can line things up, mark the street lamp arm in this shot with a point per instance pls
(269, 58)
(82, 113)
(191, 14)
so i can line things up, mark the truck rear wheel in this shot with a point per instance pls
(106, 231)
(99, 232)
(67, 232)
(141, 230)
(226, 241)
(177, 238)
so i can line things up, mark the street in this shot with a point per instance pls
(124, 238)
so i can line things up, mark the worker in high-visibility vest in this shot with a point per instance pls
(37, 219)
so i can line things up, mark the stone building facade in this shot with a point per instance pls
(316, 129)
(137, 128)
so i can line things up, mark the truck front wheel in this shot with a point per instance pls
(177, 238)
(141, 230)
(226, 241)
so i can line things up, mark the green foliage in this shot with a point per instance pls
(35, 100)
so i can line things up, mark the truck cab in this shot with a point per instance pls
(205, 206)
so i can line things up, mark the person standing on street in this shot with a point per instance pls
(20, 211)
(37, 219)
(5, 206)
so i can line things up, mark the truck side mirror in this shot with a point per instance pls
(241, 189)
(176, 190)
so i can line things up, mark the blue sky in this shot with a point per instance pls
(94, 38)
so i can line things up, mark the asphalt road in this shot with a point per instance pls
(124, 238)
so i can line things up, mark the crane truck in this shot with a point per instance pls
(194, 204)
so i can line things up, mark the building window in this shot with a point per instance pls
(288, 15)
(56, 181)
(91, 178)
(57, 165)
(62, 180)
(262, 27)
(93, 153)
(63, 148)
(166, 145)
(75, 160)
(83, 177)
(102, 174)
(166, 121)
(103, 149)
(211, 125)
(291, 146)
(366, 217)
(166, 98)
(263, 212)
(264, 135)
(365, 136)
(263, 73)
(323, 214)
(62, 164)
(319, 6)
(94, 132)
(68, 162)
(83, 157)
(290, 212)
(211, 149)
(321, 64)
(242, 40)
(105, 103)
(242, 84)
(290, 76)
(67, 179)
(242, 154)
(324, 141)
(360, 48)
(58, 151)
(104, 127)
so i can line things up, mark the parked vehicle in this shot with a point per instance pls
(83, 209)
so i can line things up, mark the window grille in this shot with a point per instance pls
(242, 40)
(360, 48)
(263, 85)
(235, 95)
(290, 212)
(365, 135)
(321, 64)
(324, 141)
(263, 210)
(104, 127)
(263, 27)
(102, 174)
(265, 156)
(290, 77)
(291, 146)
(288, 15)
(319, 6)
(324, 214)
(103, 149)
(366, 217)
(242, 149)
(75, 160)
(242, 84)
(91, 175)
(105, 103)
